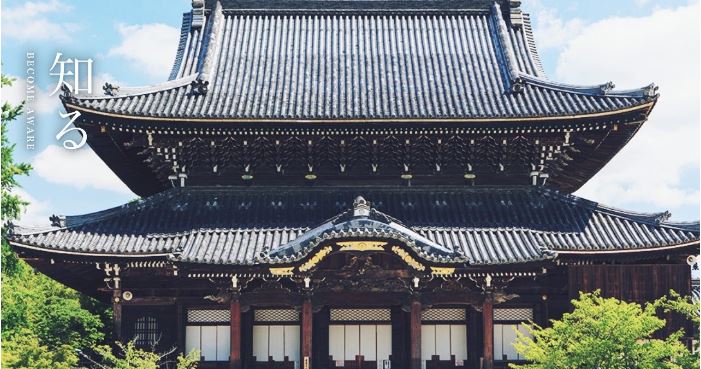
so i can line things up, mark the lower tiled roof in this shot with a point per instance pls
(247, 225)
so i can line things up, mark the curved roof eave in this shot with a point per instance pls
(543, 118)
(197, 60)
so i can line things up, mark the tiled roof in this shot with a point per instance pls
(273, 64)
(256, 225)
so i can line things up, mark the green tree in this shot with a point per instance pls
(25, 352)
(12, 205)
(128, 356)
(604, 333)
(43, 321)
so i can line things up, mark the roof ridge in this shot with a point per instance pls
(182, 45)
(648, 92)
(651, 218)
(74, 221)
(340, 5)
(505, 49)
(208, 60)
(517, 77)
(532, 48)
(114, 92)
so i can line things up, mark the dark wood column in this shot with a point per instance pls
(488, 333)
(400, 338)
(235, 356)
(247, 318)
(415, 335)
(180, 326)
(306, 346)
(474, 337)
(320, 342)
(117, 314)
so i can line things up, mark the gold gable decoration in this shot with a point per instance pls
(361, 246)
(408, 258)
(281, 271)
(311, 263)
(442, 271)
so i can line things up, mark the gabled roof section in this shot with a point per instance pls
(234, 226)
(358, 60)
(364, 222)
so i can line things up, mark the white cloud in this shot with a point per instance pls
(151, 46)
(662, 47)
(36, 214)
(42, 103)
(76, 168)
(31, 22)
(552, 31)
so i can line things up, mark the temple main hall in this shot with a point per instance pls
(366, 184)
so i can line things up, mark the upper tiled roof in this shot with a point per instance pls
(368, 60)
(251, 226)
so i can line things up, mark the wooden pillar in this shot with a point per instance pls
(474, 338)
(306, 346)
(400, 338)
(180, 326)
(415, 335)
(117, 314)
(235, 355)
(488, 333)
(247, 338)
(320, 332)
(544, 312)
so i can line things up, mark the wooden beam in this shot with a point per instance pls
(235, 356)
(306, 334)
(415, 335)
(150, 301)
(488, 333)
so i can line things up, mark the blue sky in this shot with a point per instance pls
(631, 42)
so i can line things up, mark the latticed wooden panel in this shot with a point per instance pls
(360, 315)
(443, 315)
(275, 315)
(146, 332)
(208, 316)
(513, 314)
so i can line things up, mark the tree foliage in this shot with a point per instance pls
(604, 333)
(43, 322)
(128, 356)
(686, 306)
(11, 205)
(46, 324)
(24, 351)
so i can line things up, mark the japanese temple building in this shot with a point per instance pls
(357, 184)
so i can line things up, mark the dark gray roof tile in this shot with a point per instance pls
(241, 226)
(287, 64)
